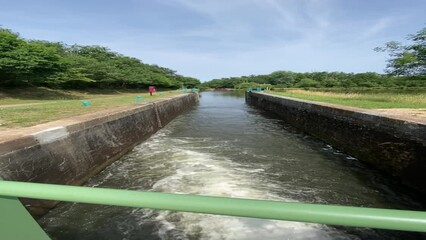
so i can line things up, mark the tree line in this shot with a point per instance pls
(406, 67)
(288, 79)
(52, 64)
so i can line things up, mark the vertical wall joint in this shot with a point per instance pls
(157, 115)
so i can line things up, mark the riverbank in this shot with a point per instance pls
(72, 150)
(396, 146)
(408, 106)
(31, 106)
(369, 99)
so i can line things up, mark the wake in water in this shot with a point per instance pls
(194, 169)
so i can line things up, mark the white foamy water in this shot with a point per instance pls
(198, 171)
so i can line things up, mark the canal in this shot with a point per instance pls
(224, 147)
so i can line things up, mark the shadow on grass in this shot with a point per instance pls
(37, 93)
(43, 93)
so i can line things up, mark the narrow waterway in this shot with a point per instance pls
(225, 148)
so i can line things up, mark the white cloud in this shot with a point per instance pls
(377, 27)
(224, 38)
(233, 43)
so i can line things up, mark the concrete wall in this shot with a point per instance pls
(395, 146)
(71, 154)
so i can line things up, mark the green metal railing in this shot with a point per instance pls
(289, 211)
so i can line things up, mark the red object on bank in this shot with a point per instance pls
(151, 90)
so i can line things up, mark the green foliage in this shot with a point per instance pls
(307, 83)
(286, 79)
(23, 62)
(42, 63)
(252, 85)
(407, 60)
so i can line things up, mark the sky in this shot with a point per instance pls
(225, 38)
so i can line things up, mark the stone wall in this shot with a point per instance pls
(395, 146)
(71, 154)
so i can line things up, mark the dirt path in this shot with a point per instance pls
(407, 114)
(20, 105)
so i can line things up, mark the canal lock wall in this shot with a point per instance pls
(394, 146)
(71, 154)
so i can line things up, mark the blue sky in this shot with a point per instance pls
(223, 38)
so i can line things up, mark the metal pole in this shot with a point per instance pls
(300, 212)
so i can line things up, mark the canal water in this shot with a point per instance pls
(224, 147)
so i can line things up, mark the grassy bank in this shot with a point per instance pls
(368, 99)
(28, 107)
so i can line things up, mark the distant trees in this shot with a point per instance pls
(406, 68)
(41, 63)
(407, 60)
(287, 79)
(307, 82)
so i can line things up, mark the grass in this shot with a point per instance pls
(372, 100)
(28, 107)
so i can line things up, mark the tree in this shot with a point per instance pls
(308, 82)
(26, 62)
(407, 60)
(42, 63)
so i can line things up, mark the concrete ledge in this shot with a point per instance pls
(395, 146)
(81, 147)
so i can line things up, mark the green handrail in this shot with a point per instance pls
(266, 209)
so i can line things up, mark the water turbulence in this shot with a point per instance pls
(225, 148)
